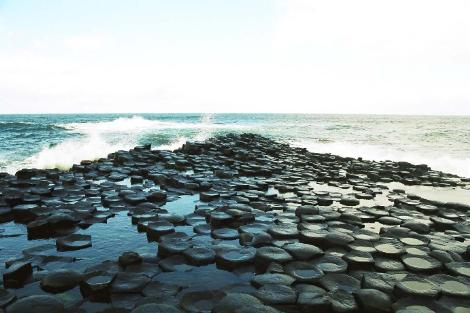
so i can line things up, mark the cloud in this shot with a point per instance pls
(87, 42)
(313, 56)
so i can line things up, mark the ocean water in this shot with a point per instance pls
(48, 141)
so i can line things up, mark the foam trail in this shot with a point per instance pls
(140, 124)
(72, 151)
(102, 138)
(178, 143)
(445, 163)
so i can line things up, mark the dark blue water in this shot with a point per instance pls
(46, 141)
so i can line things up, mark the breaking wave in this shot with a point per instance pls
(445, 163)
(97, 139)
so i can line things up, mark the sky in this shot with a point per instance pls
(299, 56)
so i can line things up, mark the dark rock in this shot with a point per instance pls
(373, 301)
(276, 294)
(232, 303)
(199, 255)
(304, 272)
(233, 258)
(39, 304)
(159, 228)
(97, 288)
(60, 280)
(303, 251)
(16, 275)
(342, 301)
(267, 255)
(452, 286)
(459, 268)
(421, 264)
(314, 302)
(129, 283)
(73, 242)
(344, 282)
(331, 264)
(155, 308)
(415, 286)
(129, 258)
(278, 279)
(6, 297)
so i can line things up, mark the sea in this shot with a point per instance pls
(61, 140)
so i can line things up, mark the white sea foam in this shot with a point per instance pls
(138, 123)
(445, 163)
(101, 138)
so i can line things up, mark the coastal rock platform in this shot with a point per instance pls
(237, 223)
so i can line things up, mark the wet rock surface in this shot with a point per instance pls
(238, 223)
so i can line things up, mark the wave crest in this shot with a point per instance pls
(98, 139)
(445, 163)
(138, 123)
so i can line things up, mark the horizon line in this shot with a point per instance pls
(245, 113)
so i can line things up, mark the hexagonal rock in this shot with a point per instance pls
(225, 233)
(173, 245)
(6, 297)
(338, 239)
(459, 268)
(272, 278)
(451, 285)
(157, 196)
(159, 228)
(40, 304)
(380, 281)
(302, 251)
(349, 201)
(314, 237)
(199, 255)
(304, 272)
(253, 228)
(201, 301)
(344, 282)
(373, 301)
(284, 231)
(232, 303)
(421, 263)
(392, 248)
(129, 258)
(267, 255)
(97, 288)
(342, 301)
(155, 308)
(60, 280)
(73, 242)
(313, 302)
(129, 283)
(16, 275)
(276, 294)
(175, 263)
(331, 264)
(233, 258)
(416, 286)
(208, 196)
(359, 260)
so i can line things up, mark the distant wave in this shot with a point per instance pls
(138, 123)
(28, 126)
(445, 163)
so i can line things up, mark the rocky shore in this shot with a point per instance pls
(238, 223)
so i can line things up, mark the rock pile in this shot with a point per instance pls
(273, 229)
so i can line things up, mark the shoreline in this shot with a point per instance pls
(234, 219)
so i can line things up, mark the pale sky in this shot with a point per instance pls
(329, 56)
